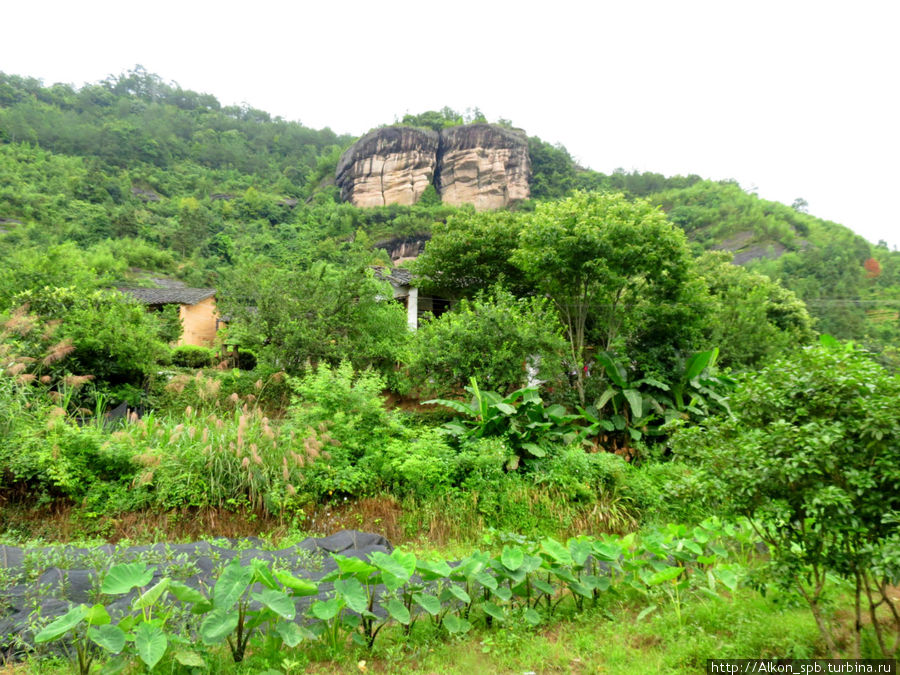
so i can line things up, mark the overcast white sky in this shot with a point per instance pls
(793, 98)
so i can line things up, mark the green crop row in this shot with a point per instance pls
(359, 598)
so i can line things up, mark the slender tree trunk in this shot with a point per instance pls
(857, 638)
(813, 601)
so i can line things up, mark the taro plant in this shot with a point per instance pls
(528, 581)
(234, 620)
(144, 630)
(573, 566)
(90, 627)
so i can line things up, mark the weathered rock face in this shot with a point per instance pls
(388, 166)
(478, 164)
(484, 165)
(403, 248)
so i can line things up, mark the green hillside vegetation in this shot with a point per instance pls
(605, 369)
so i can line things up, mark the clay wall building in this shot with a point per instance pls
(196, 309)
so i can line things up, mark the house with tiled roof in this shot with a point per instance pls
(196, 308)
(406, 293)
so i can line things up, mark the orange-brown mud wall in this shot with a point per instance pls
(198, 323)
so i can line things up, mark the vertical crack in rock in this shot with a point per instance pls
(407, 158)
(480, 164)
(484, 165)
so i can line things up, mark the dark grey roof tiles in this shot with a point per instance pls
(399, 276)
(169, 296)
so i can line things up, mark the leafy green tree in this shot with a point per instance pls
(297, 317)
(812, 456)
(752, 319)
(470, 253)
(494, 338)
(595, 255)
(34, 268)
(436, 120)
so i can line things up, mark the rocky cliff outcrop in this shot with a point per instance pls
(479, 164)
(403, 248)
(484, 165)
(393, 165)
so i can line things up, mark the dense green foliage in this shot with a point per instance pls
(294, 317)
(495, 338)
(812, 456)
(257, 603)
(590, 325)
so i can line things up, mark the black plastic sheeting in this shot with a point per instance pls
(39, 584)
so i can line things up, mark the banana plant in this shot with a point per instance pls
(636, 408)
(699, 390)
(633, 404)
(521, 417)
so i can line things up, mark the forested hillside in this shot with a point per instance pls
(627, 354)
(133, 159)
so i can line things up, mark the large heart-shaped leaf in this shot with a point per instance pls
(397, 611)
(190, 659)
(543, 586)
(218, 625)
(62, 625)
(494, 611)
(278, 602)
(431, 571)
(291, 633)
(300, 587)
(150, 597)
(486, 580)
(728, 577)
(428, 602)
(231, 585)
(454, 624)
(532, 617)
(580, 549)
(457, 592)
(326, 610)
(184, 593)
(556, 551)
(503, 593)
(512, 558)
(668, 574)
(122, 578)
(355, 567)
(109, 637)
(150, 642)
(97, 616)
(394, 573)
(353, 594)
(263, 574)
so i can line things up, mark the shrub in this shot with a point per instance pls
(51, 455)
(419, 466)
(342, 413)
(493, 338)
(193, 356)
(350, 404)
(481, 463)
(216, 390)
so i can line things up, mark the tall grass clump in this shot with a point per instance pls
(231, 459)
